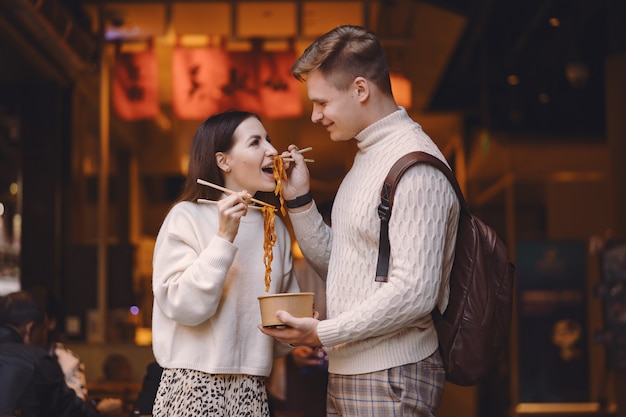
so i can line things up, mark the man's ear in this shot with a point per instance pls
(362, 87)
(222, 161)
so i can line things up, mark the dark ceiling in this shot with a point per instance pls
(535, 41)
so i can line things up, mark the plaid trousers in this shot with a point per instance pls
(413, 389)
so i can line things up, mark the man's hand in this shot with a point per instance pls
(301, 330)
(298, 177)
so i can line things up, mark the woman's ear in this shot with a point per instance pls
(222, 161)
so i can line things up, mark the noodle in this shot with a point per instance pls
(269, 237)
(269, 240)
(280, 175)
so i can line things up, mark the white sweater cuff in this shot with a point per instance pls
(219, 254)
(328, 333)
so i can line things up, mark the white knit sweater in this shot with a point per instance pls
(373, 326)
(206, 310)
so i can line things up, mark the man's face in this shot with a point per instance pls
(338, 111)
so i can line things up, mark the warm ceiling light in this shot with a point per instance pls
(577, 176)
(195, 41)
(143, 336)
(577, 73)
(184, 164)
(512, 79)
(554, 22)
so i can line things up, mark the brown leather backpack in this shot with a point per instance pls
(474, 330)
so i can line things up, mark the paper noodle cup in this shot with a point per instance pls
(298, 304)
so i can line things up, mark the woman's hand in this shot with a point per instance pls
(231, 209)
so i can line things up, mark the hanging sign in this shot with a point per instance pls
(135, 85)
(279, 89)
(198, 77)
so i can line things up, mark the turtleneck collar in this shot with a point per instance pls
(381, 129)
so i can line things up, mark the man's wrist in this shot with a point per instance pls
(299, 201)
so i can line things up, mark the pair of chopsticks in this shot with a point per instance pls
(310, 148)
(227, 191)
(205, 201)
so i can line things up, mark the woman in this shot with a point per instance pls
(208, 272)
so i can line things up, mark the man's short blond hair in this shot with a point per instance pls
(343, 54)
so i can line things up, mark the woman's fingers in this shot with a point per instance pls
(231, 209)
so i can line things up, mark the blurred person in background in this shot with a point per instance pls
(32, 383)
(149, 386)
(117, 368)
(71, 364)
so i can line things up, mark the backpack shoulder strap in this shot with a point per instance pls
(386, 201)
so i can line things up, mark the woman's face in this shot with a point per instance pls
(248, 165)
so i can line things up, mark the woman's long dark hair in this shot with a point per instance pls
(214, 135)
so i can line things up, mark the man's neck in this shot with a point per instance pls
(380, 106)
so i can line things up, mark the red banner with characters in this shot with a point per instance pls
(280, 91)
(241, 90)
(135, 85)
(198, 77)
(210, 80)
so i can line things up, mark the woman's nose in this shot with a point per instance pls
(271, 150)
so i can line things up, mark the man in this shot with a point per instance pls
(380, 339)
(32, 383)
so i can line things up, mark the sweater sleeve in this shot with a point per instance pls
(420, 237)
(314, 238)
(187, 279)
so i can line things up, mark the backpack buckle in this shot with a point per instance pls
(383, 211)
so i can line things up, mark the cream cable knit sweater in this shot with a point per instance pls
(206, 311)
(373, 326)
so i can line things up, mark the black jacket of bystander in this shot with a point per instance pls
(32, 382)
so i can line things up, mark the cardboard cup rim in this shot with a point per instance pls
(285, 294)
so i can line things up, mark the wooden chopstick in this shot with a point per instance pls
(310, 148)
(286, 158)
(291, 160)
(227, 191)
(205, 201)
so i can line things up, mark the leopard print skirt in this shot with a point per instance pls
(189, 393)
